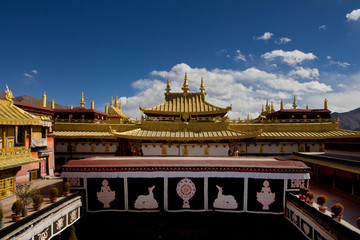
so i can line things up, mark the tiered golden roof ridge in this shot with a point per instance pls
(185, 103)
(12, 115)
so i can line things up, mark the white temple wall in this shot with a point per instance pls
(185, 150)
(87, 147)
(61, 147)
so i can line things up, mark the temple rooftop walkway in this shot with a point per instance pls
(351, 203)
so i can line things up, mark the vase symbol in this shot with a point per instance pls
(106, 196)
(265, 197)
(186, 190)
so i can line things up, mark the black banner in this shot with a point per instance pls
(186, 194)
(104, 194)
(226, 193)
(265, 195)
(145, 193)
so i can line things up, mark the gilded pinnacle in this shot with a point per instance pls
(294, 104)
(116, 102)
(185, 87)
(82, 102)
(202, 88)
(167, 89)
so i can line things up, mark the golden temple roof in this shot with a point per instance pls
(185, 103)
(15, 157)
(12, 115)
(191, 103)
(307, 134)
(77, 134)
(186, 135)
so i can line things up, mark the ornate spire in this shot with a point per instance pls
(294, 104)
(44, 100)
(272, 107)
(167, 89)
(326, 104)
(281, 104)
(8, 95)
(307, 106)
(82, 102)
(71, 106)
(52, 104)
(116, 102)
(106, 109)
(111, 102)
(202, 88)
(92, 104)
(185, 87)
(268, 110)
(120, 105)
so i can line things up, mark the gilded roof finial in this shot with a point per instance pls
(82, 102)
(281, 104)
(8, 95)
(268, 110)
(168, 87)
(111, 102)
(272, 107)
(326, 104)
(307, 106)
(71, 106)
(92, 104)
(202, 88)
(106, 109)
(294, 104)
(185, 87)
(52, 104)
(44, 100)
(116, 102)
(262, 108)
(120, 104)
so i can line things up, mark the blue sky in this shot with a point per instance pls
(247, 51)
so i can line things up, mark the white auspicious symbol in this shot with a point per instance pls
(265, 197)
(186, 190)
(106, 196)
(73, 215)
(297, 183)
(60, 223)
(43, 235)
(224, 201)
(146, 201)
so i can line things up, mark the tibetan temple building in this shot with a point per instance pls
(187, 156)
(185, 124)
(183, 155)
(23, 154)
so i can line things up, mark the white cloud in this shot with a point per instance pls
(322, 27)
(354, 15)
(34, 71)
(28, 75)
(289, 57)
(239, 56)
(305, 73)
(341, 64)
(283, 40)
(246, 90)
(265, 36)
(328, 57)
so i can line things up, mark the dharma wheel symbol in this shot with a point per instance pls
(186, 190)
